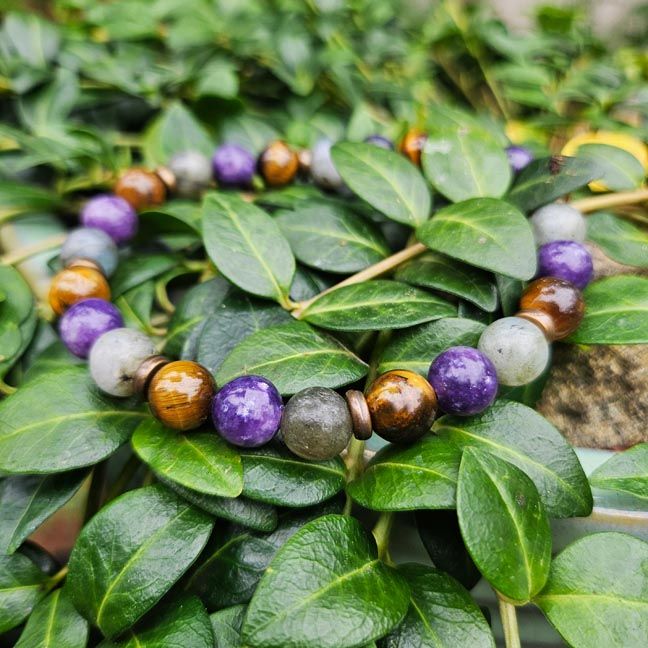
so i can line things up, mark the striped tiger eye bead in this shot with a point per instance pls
(141, 188)
(278, 164)
(412, 145)
(360, 415)
(81, 280)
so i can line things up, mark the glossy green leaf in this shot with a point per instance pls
(521, 436)
(74, 425)
(136, 306)
(619, 239)
(622, 171)
(486, 233)
(247, 246)
(174, 218)
(22, 585)
(326, 575)
(420, 476)
(616, 312)
(139, 268)
(226, 625)
(131, 553)
(201, 461)
(596, 594)
(18, 198)
(218, 79)
(385, 179)
(293, 356)
(503, 524)
(509, 291)
(626, 472)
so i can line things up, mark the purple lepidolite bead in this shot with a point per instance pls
(233, 166)
(566, 260)
(519, 157)
(113, 215)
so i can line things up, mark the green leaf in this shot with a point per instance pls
(226, 625)
(131, 553)
(218, 79)
(18, 198)
(509, 291)
(503, 524)
(441, 614)
(333, 239)
(626, 472)
(420, 476)
(200, 461)
(375, 305)
(620, 240)
(622, 171)
(139, 268)
(74, 425)
(440, 272)
(385, 179)
(596, 593)
(136, 306)
(22, 585)
(247, 246)
(293, 356)
(416, 348)
(327, 568)
(251, 133)
(175, 217)
(55, 623)
(616, 312)
(274, 475)
(27, 501)
(484, 232)
(521, 436)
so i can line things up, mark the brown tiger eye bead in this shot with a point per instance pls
(360, 415)
(402, 406)
(141, 188)
(555, 305)
(278, 164)
(75, 283)
(180, 394)
(412, 145)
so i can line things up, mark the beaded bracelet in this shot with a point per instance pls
(316, 423)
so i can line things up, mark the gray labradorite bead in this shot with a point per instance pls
(316, 424)
(517, 348)
(323, 170)
(116, 356)
(91, 244)
(558, 222)
(192, 171)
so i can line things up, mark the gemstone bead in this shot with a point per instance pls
(84, 322)
(322, 169)
(233, 166)
(558, 299)
(92, 244)
(316, 424)
(115, 357)
(192, 171)
(247, 411)
(141, 188)
(111, 214)
(558, 222)
(75, 283)
(402, 405)
(519, 157)
(517, 348)
(180, 395)
(412, 145)
(278, 164)
(566, 260)
(464, 380)
(380, 141)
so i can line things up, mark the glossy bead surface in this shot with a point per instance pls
(75, 283)
(558, 222)
(402, 406)
(566, 260)
(322, 169)
(93, 244)
(517, 348)
(559, 299)
(84, 322)
(233, 166)
(360, 415)
(180, 394)
(115, 357)
(412, 145)
(247, 411)
(316, 424)
(141, 188)
(111, 214)
(193, 173)
(519, 157)
(464, 380)
(278, 164)
(380, 142)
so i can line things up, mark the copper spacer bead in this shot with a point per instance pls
(305, 158)
(84, 263)
(360, 415)
(145, 372)
(542, 320)
(167, 176)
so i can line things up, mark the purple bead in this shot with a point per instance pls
(84, 322)
(380, 141)
(519, 157)
(247, 411)
(464, 379)
(233, 166)
(111, 214)
(566, 260)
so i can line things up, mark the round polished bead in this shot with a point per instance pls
(519, 157)
(180, 395)
(75, 283)
(278, 164)
(111, 214)
(233, 166)
(323, 170)
(360, 414)
(84, 322)
(115, 357)
(316, 424)
(193, 173)
(141, 188)
(464, 380)
(402, 406)
(380, 142)
(92, 244)
(558, 222)
(559, 299)
(517, 348)
(412, 145)
(566, 260)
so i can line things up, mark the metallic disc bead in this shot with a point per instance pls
(141, 188)
(360, 414)
(305, 158)
(180, 394)
(111, 214)
(402, 405)
(193, 173)
(92, 244)
(75, 283)
(278, 164)
(558, 222)
(167, 176)
(412, 145)
(145, 373)
(566, 260)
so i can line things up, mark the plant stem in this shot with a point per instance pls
(381, 533)
(57, 578)
(594, 203)
(6, 390)
(162, 297)
(509, 623)
(127, 473)
(22, 254)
